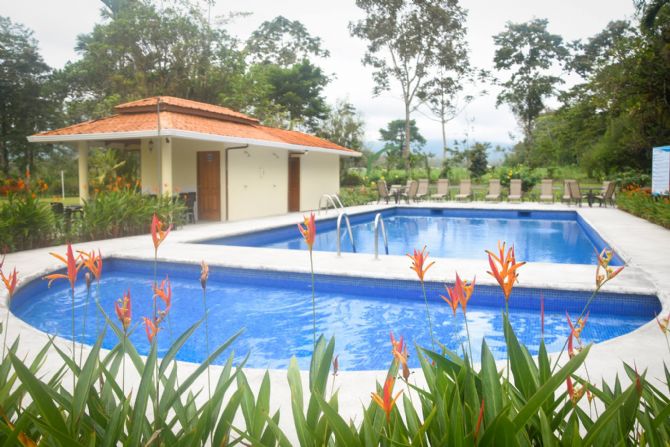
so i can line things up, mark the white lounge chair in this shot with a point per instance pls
(494, 190)
(442, 189)
(465, 190)
(514, 190)
(547, 190)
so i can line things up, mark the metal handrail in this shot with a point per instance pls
(351, 234)
(379, 221)
(336, 198)
(329, 198)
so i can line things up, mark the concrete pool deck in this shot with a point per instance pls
(641, 244)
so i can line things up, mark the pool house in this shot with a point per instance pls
(237, 168)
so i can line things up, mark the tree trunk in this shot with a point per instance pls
(406, 148)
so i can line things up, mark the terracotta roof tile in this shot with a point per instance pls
(146, 104)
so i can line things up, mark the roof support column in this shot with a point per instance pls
(166, 166)
(82, 146)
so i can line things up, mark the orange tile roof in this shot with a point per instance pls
(186, 117)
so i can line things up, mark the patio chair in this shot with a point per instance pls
(575, 193)
(547, 190)
(494, 190)
(514, 190)
(607, 195)
(422, 190)
(465, 190)
(189, 201)
(382, 191)
(442, 189)
(410, 193)
(566, 191)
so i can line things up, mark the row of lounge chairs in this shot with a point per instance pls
(419, 190)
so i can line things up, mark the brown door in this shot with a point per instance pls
(209, 186)
(293, 184)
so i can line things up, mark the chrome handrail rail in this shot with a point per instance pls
(336, 198)
(329, 198)
(351, 235)
(379, 221)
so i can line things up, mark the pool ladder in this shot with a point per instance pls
(351, 235)
(332, 199)
(379, 223)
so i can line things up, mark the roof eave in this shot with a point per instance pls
(177, 133)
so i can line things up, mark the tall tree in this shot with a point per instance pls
(25, 107)
(529, 52)
(395, 138)
(407, 41)
(283, 42)
(343, 125)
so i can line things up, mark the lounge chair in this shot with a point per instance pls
(514, 190)
(411, 191)
(566, 191)
(422, 191)
(575, 193)
(382, 191)
(607, 195)
(442, 189)
(547, 190)
(465, 190)
(494, 190)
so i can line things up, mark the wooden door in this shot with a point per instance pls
(293, 184)
(209, 185)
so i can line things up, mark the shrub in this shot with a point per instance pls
(358, 195)
(352, 178)
(639, 202)
(632, 178)
(529, 177)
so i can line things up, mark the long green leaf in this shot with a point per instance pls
(609, 414)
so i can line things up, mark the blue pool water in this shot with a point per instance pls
(275, 310)
(539, 236)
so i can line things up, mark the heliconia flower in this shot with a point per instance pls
(10, 281)
(503, 268)
(123, 310)
(308, 231)
(480, 418)
(575, 394)
(92, 262)
(385, 402)
(397, 345)
(418, 260)
(604, 259)
(575, 332)
(157, 233)
(336, 365)
(72, 268)
(151, 328)
(454, 299)
(402, 355)
(664, 324)
(638, 382)
(204, 274)
(164, 292)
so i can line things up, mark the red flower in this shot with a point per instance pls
(385, 402)
(308, 231)
(151, 328)
(503, 268)
(418, 260)
(124, 310)
(72, 268)
(10, 281)
(92, 262)
(157, 233)
(480, 418)
(164, 292)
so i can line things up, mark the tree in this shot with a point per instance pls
(394, 139)
(25, 107)
(407, 41)
(343, 125)
(477, 162)
(283, 42)
(529, 51)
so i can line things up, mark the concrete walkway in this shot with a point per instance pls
(643, 245)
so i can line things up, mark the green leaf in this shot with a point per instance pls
(305, 437)
(609, 414)
(491, 388)
(343, 433)
(147, 384)
(86, 379)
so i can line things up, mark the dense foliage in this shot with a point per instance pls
(641, 203)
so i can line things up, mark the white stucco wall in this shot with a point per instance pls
(149, 167)
(257, 183)
(319, 174)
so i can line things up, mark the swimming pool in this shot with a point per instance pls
(275, 309)
(539, 236)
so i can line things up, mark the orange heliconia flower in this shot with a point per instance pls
(10, 281)
(575, 394)
(385, 402)
(72, 268)
(397, 345)
(92, 262)
(308, 231)
(480, 418)
(164, 292)
(124, 310)
(399, 351)
(459, 294)
(151, 328)
(576, 333)
(503, 268)
(452, 300)
(418, 260)
(157, 233)
(204, 274)
(604, 259)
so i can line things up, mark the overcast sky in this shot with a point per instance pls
(57, 23)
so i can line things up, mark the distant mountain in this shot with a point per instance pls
(435, 146)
